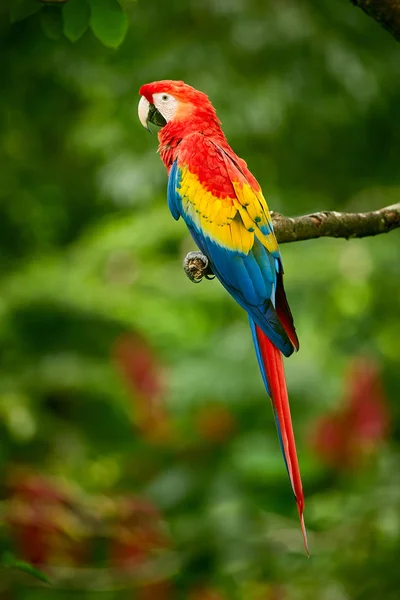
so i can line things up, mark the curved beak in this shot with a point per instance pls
(149, 114)
(143, 112)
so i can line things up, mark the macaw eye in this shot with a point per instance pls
(164, 97)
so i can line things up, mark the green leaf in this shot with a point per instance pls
(27, 568)
(21, 9)
(52, 22)
(10, 562)
(76, 17)
(109, 22)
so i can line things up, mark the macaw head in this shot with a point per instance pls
(174, 102)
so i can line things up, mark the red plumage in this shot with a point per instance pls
(229, 224)
(275, 373)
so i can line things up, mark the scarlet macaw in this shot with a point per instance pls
(222, 204)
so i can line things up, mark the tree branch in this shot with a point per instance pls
(309, 227)
(385, 12)
(336, 224)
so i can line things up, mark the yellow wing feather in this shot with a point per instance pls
(253, 209)
(231, 222)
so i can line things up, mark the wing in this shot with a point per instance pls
(228, 217)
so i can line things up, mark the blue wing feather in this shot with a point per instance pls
(174, 199)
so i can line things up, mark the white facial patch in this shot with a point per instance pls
(166, 105)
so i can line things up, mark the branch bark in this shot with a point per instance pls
(309, 227)
(336, 224)
(385, 12)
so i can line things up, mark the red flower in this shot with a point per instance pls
(343, 438)
(41, 520)
(144, 377)
(137, 534)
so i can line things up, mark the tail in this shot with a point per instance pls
(273, 374)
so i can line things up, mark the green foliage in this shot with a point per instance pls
(21, 9)
(108, 22)
(51, 21)
(10, 562)
(76, 17)
(132, 415)
(106, 18)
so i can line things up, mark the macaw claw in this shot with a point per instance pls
(196, 266)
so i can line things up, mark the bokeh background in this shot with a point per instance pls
(138, 454)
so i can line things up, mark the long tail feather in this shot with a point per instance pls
(271, 365)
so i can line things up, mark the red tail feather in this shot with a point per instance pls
(275, 374)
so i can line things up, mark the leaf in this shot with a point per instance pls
(10, 562)
(27, 568)
(109, 22)
(21, 9)
(76, 17)
(52, 23)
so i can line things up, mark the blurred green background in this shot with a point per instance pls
(138, 454)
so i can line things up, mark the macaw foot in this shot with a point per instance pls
(196, 267)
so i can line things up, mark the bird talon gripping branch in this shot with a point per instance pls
(196, 266)
(222, 204)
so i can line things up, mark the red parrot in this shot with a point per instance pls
(222, 204)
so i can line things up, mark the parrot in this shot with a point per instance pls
(222, 205)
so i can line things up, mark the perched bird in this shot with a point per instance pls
(222, 204)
